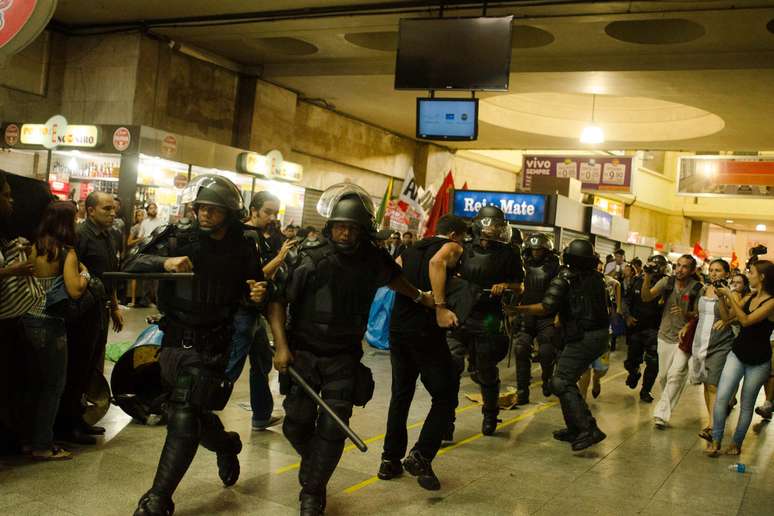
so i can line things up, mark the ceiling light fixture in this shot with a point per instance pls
(760, 227)
(592, 134)
(729, 221)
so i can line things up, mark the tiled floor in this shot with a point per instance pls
(520, 470)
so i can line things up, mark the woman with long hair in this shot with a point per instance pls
(53, 255)
(712, 340)
(750, 356)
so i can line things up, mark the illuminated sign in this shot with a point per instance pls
(74, 135)
(271, 166)
(518, 207)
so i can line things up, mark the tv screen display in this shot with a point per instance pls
(447, 119)
(454, 53)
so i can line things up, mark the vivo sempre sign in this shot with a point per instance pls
(518, 207)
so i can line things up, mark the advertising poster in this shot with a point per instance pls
(518, 207)
(602, 174)
(745, 176)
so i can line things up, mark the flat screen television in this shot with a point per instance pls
(447, 119)
(454, 54)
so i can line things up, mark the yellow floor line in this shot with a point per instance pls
(379, 437)
(468, 440)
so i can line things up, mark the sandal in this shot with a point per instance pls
(53, 454)
(714, 450)
(706, 434)
(733, 450)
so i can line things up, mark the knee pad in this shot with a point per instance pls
(487, 376)
(523, 346)
(183, 421)
(558, 385)
(328, 429)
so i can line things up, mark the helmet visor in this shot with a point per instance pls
(335, 193)
(495, 229)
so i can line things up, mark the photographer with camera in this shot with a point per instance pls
(643, 319)
(678, 295)
(712, 339)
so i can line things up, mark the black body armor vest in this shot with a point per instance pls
(585, 305)
(538, 277)
(486, 267)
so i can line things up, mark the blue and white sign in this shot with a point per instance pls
(518, 207)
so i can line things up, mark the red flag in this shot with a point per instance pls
(442, 204)
(699, 252)
(734, 260)
(465, 186)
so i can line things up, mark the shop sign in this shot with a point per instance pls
(609, 206)
(14, 14)
(272, 166)
(169, 146)
(596, 173)
(601, 223)
(518, 207)
(122, 138)
(181, 181)
(54, 133)
(749, 176)
(12, 135)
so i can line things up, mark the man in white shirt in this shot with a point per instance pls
(151, 221)
(615, 268)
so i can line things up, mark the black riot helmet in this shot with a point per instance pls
(539, 241)
(580, 255)
(218, 191)
(347, 202)
(490, 224)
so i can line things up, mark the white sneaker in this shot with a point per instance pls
(659, 423)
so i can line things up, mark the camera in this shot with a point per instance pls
(758, 250)
(650, 268)
(720, 284)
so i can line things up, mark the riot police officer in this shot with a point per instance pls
(579, 296)
(330, 287)
(541, 266)
(643, 319)
(196, 322)
(490, 262)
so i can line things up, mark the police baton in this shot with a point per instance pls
(161, 276)
(327, 408)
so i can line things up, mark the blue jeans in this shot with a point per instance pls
(47, 362)
(733, 372)
(250, 339)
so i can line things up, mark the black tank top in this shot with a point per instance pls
(753, 344)
(408, 316)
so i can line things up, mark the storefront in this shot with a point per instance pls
(76, 162)
(143, 165)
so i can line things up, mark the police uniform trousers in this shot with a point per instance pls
(190, 420)
(423, 355)
(486, 346)
(543, 330)
(311, 431)
(643, 344)
(575, 359)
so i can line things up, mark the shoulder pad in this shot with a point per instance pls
(566, 273)
(158, 235)
(313, 244)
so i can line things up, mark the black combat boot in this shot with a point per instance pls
(228, 463)
(489, 424)
(522, 396)
(646, 396)
(633, 379)
(152, 504)
(311, 505)
(565, 435)
(588, 438)
(389, 469)
(420, 467)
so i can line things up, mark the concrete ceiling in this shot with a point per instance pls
(715, 59)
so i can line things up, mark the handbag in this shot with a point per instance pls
(60, 304)
(686, 342)
(18, 293)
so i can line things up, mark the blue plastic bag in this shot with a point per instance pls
(150, 335)
(378, 331)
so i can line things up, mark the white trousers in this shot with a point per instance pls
(672, 374)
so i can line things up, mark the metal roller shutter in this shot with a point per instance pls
(642, 252)
(604, 246)
(310, 217)
(568, 236)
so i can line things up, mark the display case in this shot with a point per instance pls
(75, 174)
(161, 181)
